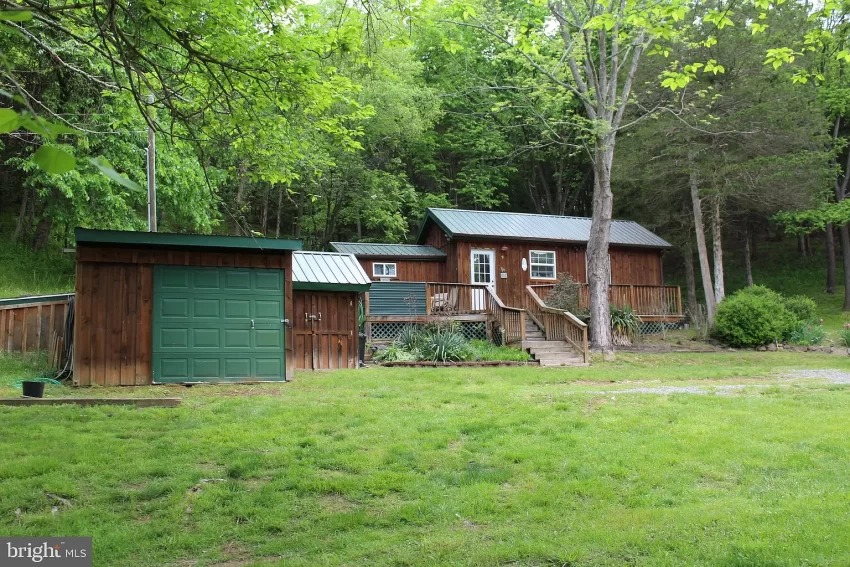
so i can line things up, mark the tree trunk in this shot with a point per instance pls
(279, 203)
(702, 252)
(690, 277)
(748, 264)
(844, 234)
(19, 226)
(717, 233)
(598, 276)
(265, 215)
(830, 258)
(241, 190)
(42, 233)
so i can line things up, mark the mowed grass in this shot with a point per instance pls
(495, 466)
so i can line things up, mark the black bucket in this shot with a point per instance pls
(33, 389)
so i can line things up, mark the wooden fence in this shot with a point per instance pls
(29, 324)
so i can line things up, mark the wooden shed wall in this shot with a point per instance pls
(324, 326)
(31, 327)
(409, 270)
(114, 307)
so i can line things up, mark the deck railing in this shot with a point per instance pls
(455, 299)
(645, 300)
(557, 324)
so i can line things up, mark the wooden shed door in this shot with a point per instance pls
(217, 324)
(325, 325)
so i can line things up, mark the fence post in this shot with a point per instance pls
(522, 325)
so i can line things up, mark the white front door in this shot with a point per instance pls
(483, 272)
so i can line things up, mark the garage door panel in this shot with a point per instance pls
(268, 338)
(268, 280)
(174, 307)
(268, 368)
(203, 324)
(203, 308)
(267, 309)
(237, 308)
(237, 367)
(206, 338)
(237, 280)
(206, 279)
(174, 368)
(174, 338)
(206, 368)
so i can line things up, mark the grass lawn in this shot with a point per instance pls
(495, 466)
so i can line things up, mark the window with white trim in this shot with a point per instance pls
(384, 270)
(542, 264)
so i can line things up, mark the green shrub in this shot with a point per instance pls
(395, 353)
(443, 346)
(565, 294)
(408, 338)
(803, 308)
(624, 324)
(753, 316)
(844, 335)
(485, 350)
(806, 334)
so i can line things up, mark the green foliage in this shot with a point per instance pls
(752, 317)
(803, 308)
(485, 350)
(409, 338)
(395, 353)
(844, 335)
(806, 334)
(565, 294)
(25, 272)
(443, 345)
(625, 324)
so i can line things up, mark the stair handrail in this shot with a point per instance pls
(557, 324)
(511, 319)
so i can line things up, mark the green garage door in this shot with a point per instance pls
(217, 324)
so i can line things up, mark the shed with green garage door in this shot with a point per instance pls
(173, 308)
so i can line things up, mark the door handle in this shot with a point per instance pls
(252, 323)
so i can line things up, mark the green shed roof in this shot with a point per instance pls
(373, 250)
(167, 240)
(328, 271)
(524, 226)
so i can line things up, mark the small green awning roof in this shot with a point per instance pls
(328, 271)
(400, 251)
(169, 240)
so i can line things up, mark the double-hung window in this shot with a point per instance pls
(542, 265)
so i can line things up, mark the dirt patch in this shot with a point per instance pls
(336, 503)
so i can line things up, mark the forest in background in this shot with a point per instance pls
(339, 121)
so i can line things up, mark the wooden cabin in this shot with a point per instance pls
(176, 308)
(507, 252)
(326, 292)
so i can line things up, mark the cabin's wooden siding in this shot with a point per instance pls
(629, 265)
(324, 327)
(31, 327)
(114, 307)
(409, 270)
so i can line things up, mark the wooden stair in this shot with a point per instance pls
(549, 353)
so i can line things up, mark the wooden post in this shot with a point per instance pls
(428, 294)
(522, 326)
(678, 301)
(584, 344)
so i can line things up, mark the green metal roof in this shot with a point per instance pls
(164, 240)
(407, 251)
(524, 226)
(328, 271)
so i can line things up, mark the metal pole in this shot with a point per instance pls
(151, 171)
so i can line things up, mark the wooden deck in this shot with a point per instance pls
(651, 303)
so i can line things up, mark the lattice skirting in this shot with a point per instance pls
(655, 327)
(388, 331)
